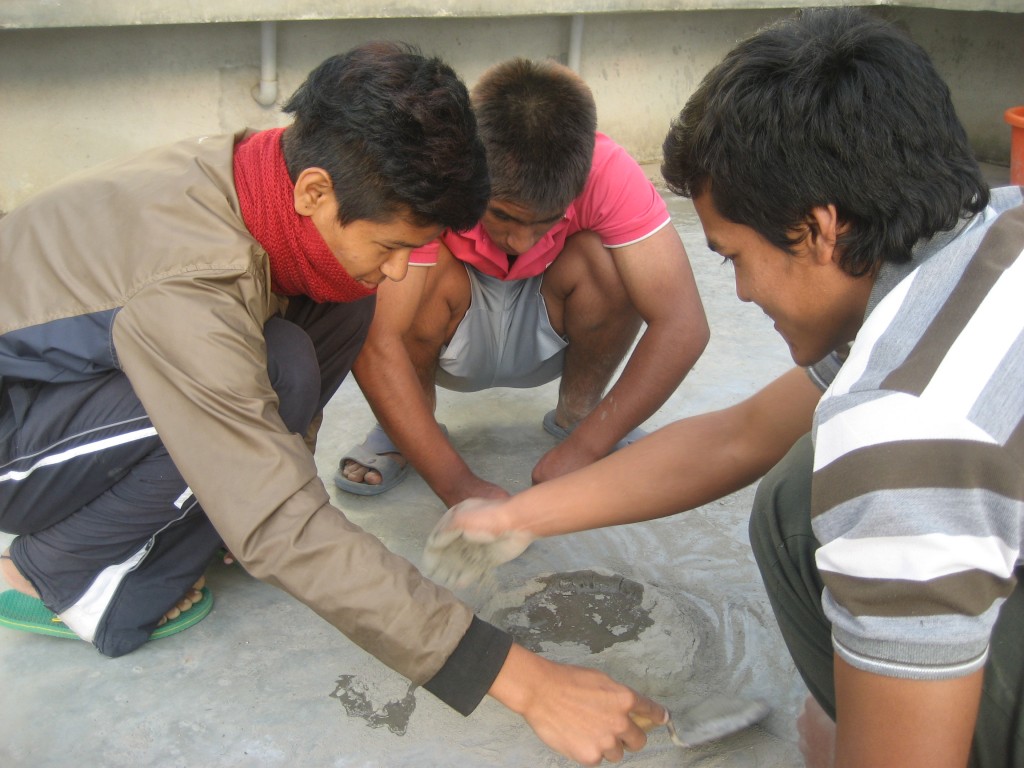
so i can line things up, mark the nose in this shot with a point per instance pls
(741, 291)
(521, 239)
(396, 266)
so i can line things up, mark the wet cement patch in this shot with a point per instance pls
(359, 700)
(582, 607)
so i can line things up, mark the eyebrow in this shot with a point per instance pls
(517, 220)
(403, 244)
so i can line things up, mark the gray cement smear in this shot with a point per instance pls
(358, 700)
(585, 607)
(264, 682)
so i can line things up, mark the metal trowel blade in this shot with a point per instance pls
(715, 718)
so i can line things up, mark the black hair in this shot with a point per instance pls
(537, 120)
(396, 132)
(828, 107)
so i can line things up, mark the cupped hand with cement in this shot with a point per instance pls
(469, 542)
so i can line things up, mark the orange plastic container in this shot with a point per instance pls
(1015, 117)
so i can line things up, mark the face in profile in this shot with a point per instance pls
(372, 251)
(815, 306)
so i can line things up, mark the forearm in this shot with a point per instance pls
(657, 278)
(389, 382)
(661, 359)
(696, 460)
(687, 473)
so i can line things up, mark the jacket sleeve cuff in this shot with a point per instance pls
(468, 673)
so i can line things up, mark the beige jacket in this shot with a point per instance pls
(145, 265)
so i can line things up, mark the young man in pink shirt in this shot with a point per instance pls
(574, 254)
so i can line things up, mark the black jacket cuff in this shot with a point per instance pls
(466, 677)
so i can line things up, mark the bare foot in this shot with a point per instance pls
(13, 576)
(355, 472)
(191, 597)
(817, 735)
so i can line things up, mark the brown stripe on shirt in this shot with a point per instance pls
(1015, 443)
(998, 250)
(963, 464)
(968, 593)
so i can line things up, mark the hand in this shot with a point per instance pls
(476, 488)
(566, 457)
(468, 542)
(459, 483)
(578, 712)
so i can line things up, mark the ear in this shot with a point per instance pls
(823, 230)
(313, 188)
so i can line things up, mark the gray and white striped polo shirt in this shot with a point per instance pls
(918, 488)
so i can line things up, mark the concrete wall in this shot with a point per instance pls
(75, 92)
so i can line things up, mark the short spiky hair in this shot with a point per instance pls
(537, 120)
(396, 133)
(829, 107)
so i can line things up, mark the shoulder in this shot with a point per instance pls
(613, 165)
(618, 201)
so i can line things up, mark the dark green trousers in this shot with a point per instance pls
(784, 545)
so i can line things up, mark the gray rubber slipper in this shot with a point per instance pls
(370, 453)
(554, 429)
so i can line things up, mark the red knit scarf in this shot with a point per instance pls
(300, 261)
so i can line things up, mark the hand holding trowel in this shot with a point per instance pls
(714, 718)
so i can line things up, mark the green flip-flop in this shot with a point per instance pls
(28, 614)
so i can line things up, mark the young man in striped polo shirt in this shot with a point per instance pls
(827, 165)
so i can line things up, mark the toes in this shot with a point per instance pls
(353, 471)
(357, 473)
(193, 596)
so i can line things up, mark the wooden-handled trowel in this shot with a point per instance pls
(714, 718)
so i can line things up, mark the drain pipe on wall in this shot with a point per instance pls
(266, 92)
(575, 42)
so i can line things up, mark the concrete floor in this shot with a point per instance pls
(263, 681)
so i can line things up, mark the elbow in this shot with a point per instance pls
(701, 335)
(695, 335)
(688, 324)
